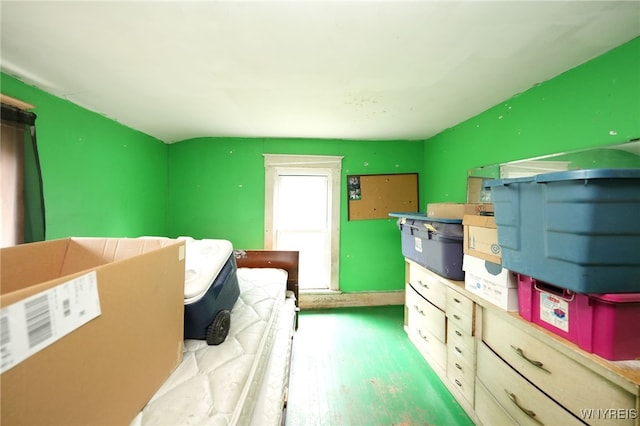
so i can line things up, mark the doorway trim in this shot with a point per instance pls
(276, 163)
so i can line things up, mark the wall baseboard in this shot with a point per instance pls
(323, 300)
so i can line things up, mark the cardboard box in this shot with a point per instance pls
(107, 368)
(481, 238)
(456, 210)
(491, 281)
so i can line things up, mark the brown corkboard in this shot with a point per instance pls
(375, 196)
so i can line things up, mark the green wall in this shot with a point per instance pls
(100, 178)
(594, 104)
(217, 190)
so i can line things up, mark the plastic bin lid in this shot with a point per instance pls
(618, 297)
(569, 175)
(503, 182)
(589, 174)
(423, 217)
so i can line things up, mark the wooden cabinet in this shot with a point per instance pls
(505, 370)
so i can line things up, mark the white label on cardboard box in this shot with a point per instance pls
(554, 311)
(36, 322)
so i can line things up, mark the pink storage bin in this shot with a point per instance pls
(604, 324)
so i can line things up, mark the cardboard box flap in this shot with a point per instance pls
(27, 268)
(457, 210)
(85, 253)
(478, 220)
(27, 264)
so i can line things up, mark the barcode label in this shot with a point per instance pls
(66, 305)
(5, 338)
(38, 319)
(32, 324)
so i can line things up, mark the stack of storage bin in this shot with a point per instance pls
(574, 240)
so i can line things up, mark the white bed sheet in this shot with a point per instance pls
(221, 385)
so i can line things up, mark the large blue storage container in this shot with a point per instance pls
(579, 230)
(211, 289)
(433, 243)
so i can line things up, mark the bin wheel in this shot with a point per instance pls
(219, 328)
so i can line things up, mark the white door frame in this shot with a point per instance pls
(275, 163)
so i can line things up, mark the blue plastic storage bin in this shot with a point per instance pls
(436, 244)
(579, 229)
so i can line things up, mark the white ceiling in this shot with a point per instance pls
(334, 69)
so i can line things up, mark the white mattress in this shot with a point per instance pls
(221, 385)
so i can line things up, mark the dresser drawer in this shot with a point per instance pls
(461, 362)
(488, 410)
(432, 349)
(428, 285)
(461, 370)
(457, 302)
(425, 316)
(462, 380)
(457, 338)
(519, 398)
(460, 311)
(460, 354)
(576, 387)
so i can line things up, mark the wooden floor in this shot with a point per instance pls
(356, 366)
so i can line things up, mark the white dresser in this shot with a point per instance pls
(505, 370)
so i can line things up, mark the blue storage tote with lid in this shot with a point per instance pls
(578, 230)
(433, 243)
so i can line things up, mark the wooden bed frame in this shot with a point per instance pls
(287, 260)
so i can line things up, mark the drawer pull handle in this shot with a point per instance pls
(420, 311)
(458, 366)
(456, 317)
(423, 336)
(455, 299)
(528, 412)
(458, 333)
(458, 382)
(458, 349)
(533, 362)
(423, 284)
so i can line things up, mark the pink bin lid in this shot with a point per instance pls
(618, 297)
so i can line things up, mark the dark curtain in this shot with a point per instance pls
(34, 217)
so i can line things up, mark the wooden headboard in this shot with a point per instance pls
(287, 260)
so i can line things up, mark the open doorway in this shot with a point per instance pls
(302, 212)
